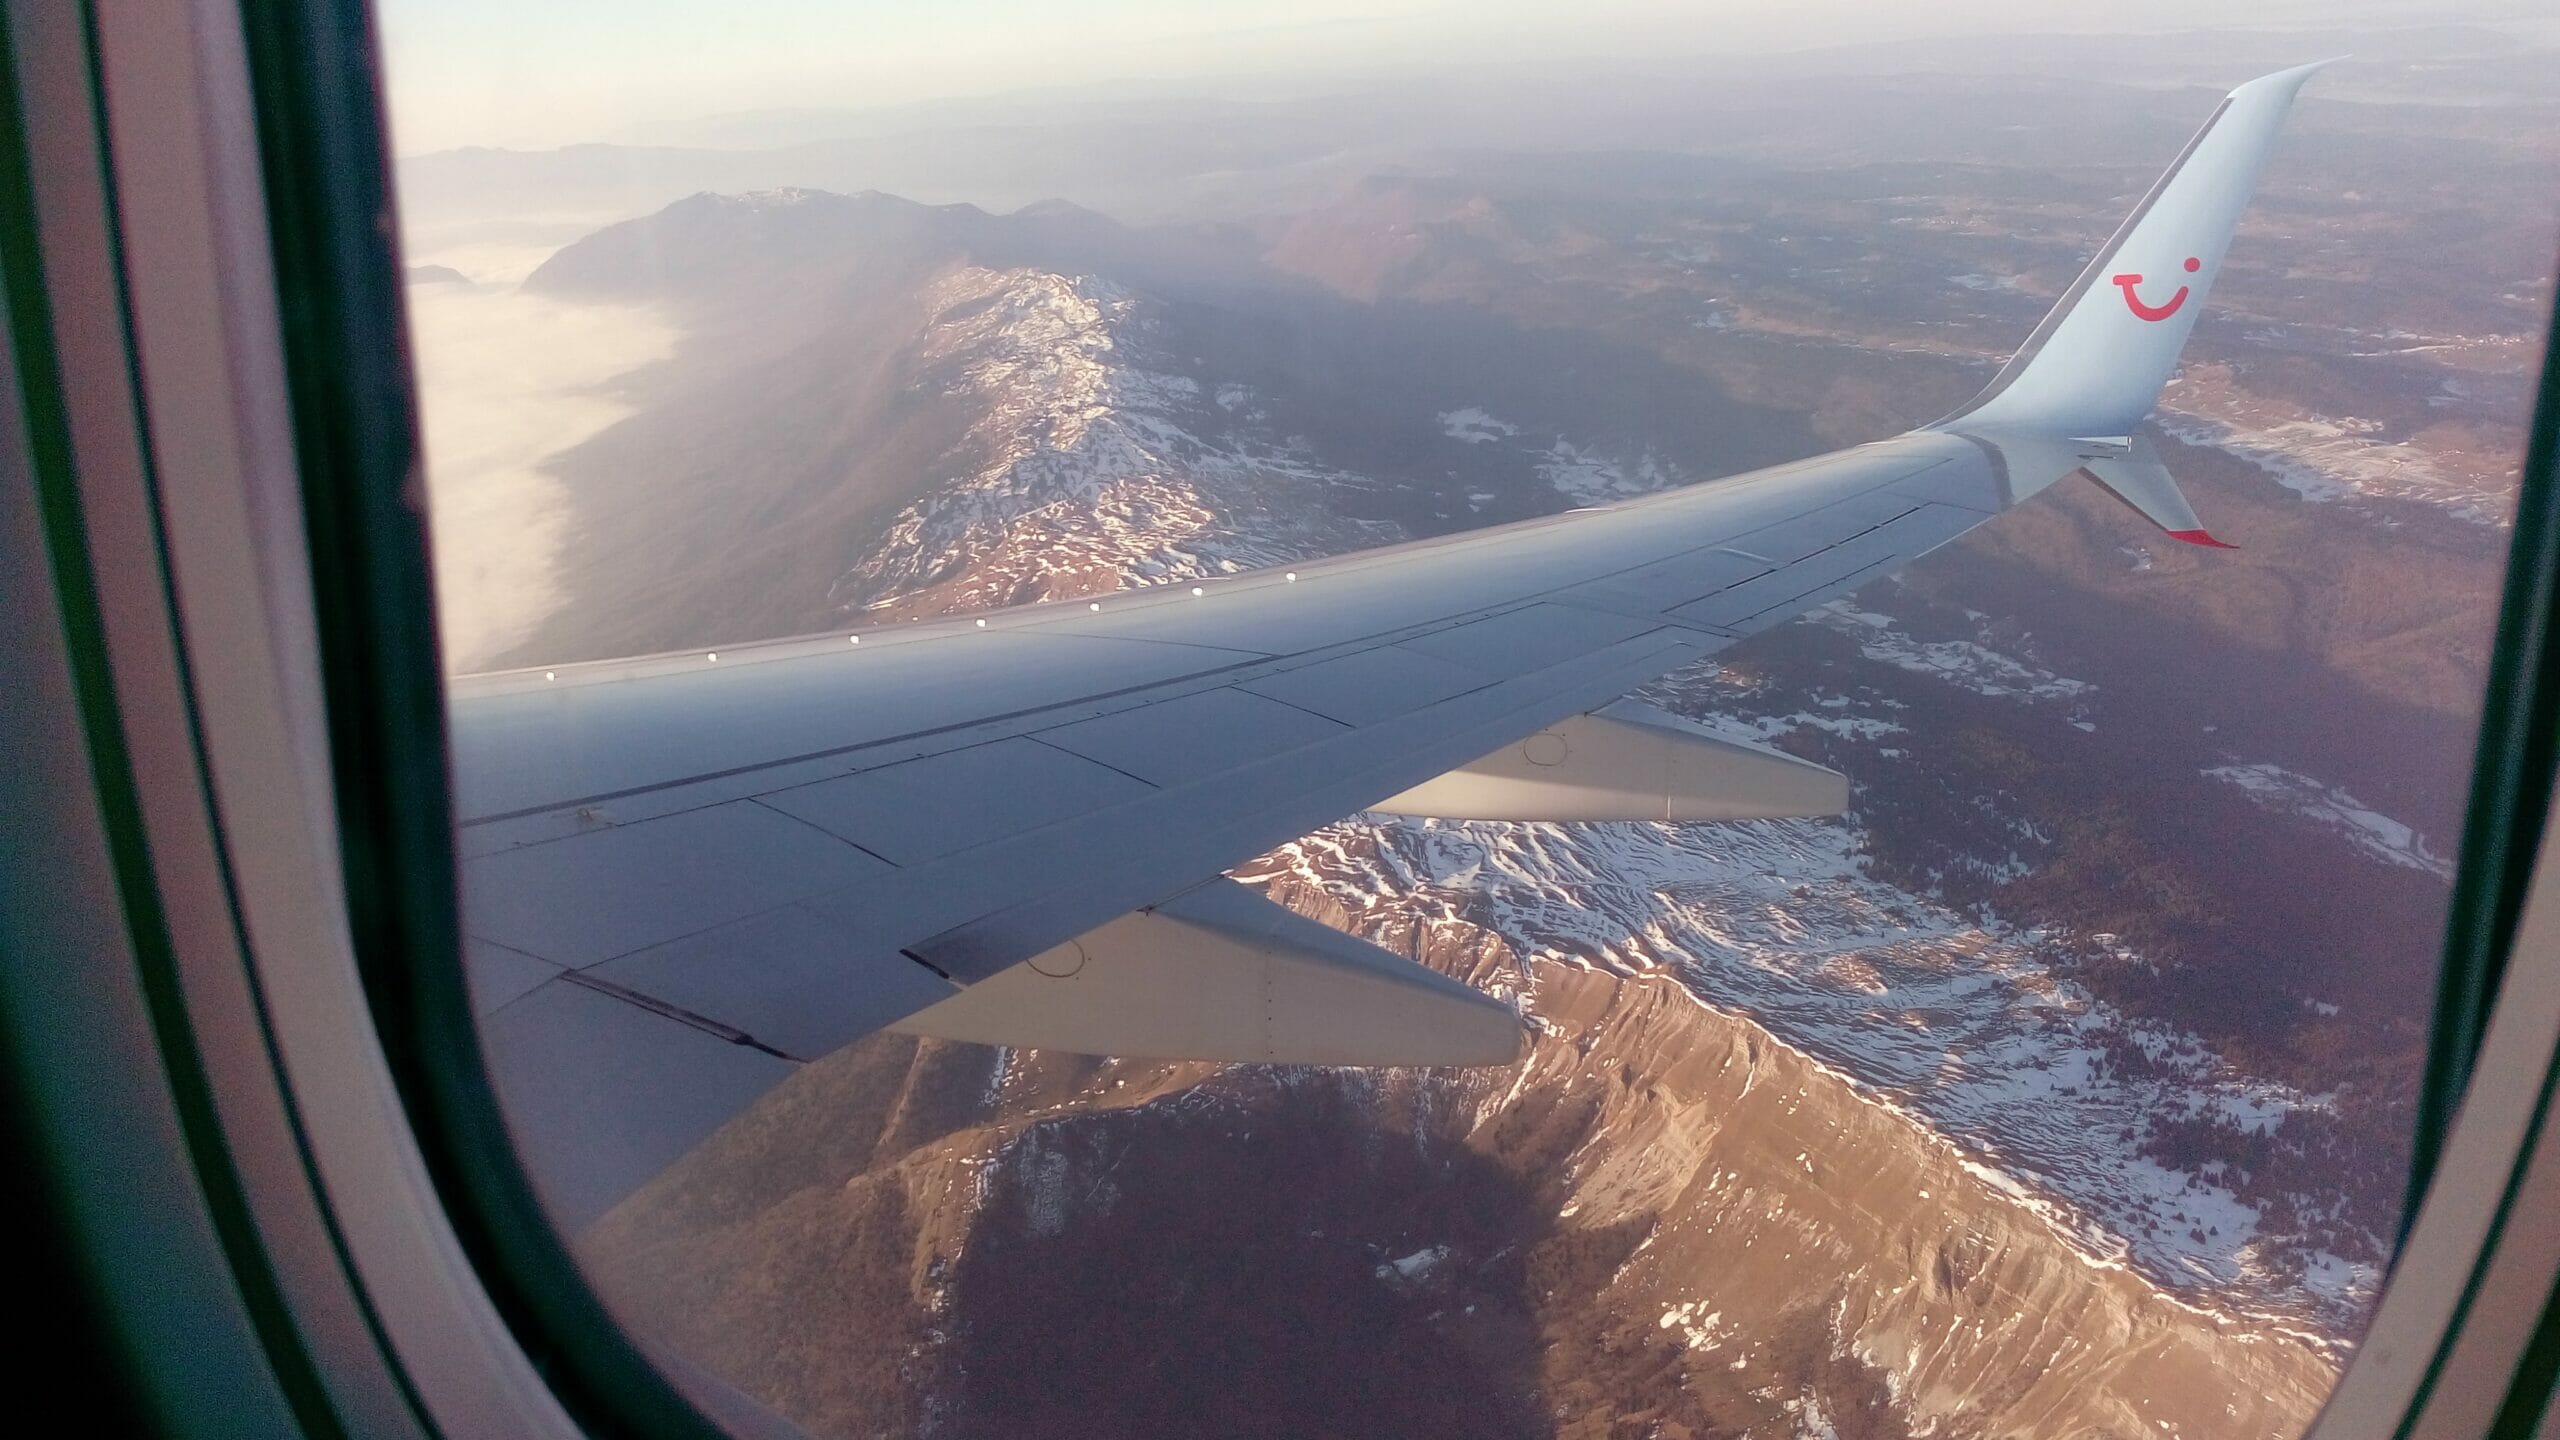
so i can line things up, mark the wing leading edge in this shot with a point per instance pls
(685, 874)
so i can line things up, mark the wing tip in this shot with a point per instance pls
(2200, 537)
(2290, 79)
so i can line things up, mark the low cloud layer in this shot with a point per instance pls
(507, 381)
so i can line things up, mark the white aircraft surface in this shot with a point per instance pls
(684, 875)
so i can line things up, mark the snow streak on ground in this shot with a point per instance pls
(1595, 479)
(2321, 458)
(1098, 470)
(1587, 475)
(1812, 1421)
(1964, 663)
(2367, 829)
(1963, 1025)
(1475, 426)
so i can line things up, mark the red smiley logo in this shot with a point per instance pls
(2134, 303)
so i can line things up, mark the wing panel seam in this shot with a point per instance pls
(640, 999)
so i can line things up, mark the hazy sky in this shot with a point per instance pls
(538, 73)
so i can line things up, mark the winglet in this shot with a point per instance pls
(2096, 364)
(2132, 471)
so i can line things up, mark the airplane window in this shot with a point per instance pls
(984, 921)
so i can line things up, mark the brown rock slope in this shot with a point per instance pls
(1664, 1223)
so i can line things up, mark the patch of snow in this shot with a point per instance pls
(1811, 1420)
(1964, 663)
(1414, 1266)
(2327, 459)
(1474, 426)
(1596, 479)
(1847, 727)
(2369, 830)
(1698, 1332)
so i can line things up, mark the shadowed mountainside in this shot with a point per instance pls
(1662, 1220)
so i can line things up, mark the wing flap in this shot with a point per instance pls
(1530, 638)
(1036, 889)
(1785, 593)
(794, 980)
(920, 810)
(1362, 687)
(601, 1094)
(619, 888)
(1192, 737)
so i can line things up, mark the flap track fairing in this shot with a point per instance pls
(1220, 973)
(1628, 761)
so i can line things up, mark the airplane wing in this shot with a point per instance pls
(683, 875)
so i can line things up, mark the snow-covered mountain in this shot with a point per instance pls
(1095, 469)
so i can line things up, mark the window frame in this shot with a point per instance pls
(244, 600)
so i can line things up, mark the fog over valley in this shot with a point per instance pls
(514, 379)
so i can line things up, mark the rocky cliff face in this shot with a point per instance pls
(1663, 1223)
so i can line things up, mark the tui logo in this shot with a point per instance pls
(2133, 302)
